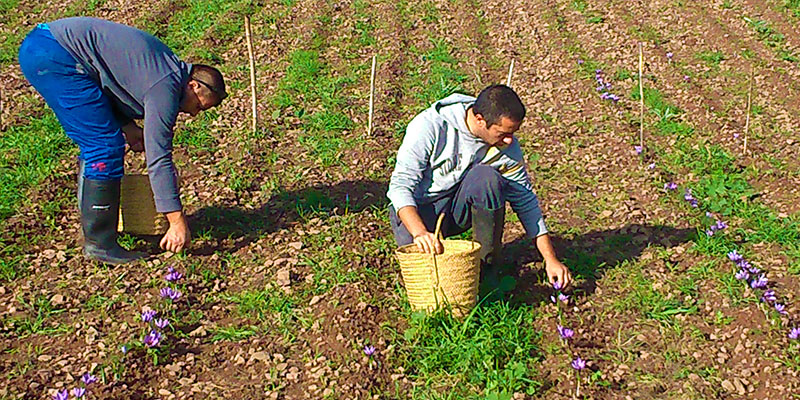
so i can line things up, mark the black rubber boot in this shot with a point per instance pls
(487, 229)
(99, 218)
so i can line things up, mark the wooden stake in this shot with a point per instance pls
(248, 36)
(510, 72)
(371, 95)
(641, 96)
(749, 103)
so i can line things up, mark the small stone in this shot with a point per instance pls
(728, 386)
(164, 392)
(259, 356)
(315, 300)
(57, 300)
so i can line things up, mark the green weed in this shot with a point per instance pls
(232, 333)
(712, 58)
(772, 38)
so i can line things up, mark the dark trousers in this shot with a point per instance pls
(482, 187)
(85, 112)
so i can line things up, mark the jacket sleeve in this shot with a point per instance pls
(519, 192)
(161, 105)
(413, 160)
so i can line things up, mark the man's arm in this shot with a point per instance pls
(425, 241)
(160, 112)
(556, 270)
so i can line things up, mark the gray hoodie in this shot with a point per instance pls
(438, 150)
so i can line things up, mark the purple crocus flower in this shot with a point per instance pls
(651, 166)
(580, 61)
(794, 334)
(735, 257)
(607, 85)
(162, 323)
(88, 379)
(769, 296)
(670, 186)
(565, 333)
(172, 275)
(556, 285)
(564, 298)
(687, 195)
(742, 275)
(369, 350)
(759, 283)
(152, 339)
(720, 225)
(578, 364)
(638, 149)
(780, 308)
(686, 78)
(735, 135)
(148, 315)
(170, 293)
(61, 395)
(78, 392)
(613, 97)
(669, 55)
(710, 232)
(123, 349)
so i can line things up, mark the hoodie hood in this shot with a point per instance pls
(453, 109)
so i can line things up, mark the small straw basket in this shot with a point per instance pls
(441, 280)
(137, 209)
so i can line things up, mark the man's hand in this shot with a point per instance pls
(557, 271)
(178, 235)
(429, 243)
(134, 135)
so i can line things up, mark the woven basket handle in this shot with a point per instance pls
(437, 233)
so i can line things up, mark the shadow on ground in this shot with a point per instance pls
(588, 256)
(241, 227)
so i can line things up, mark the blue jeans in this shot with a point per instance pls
(482, 187)
(84, 111)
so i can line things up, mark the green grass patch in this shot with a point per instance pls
(30, 154)
(442, 77)
(772, 38)
(712, 58)
(793, 7)
(491, 353)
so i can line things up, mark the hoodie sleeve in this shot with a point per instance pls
(160, 112)
(413, 159)
(509, 162)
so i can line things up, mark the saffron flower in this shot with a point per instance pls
(172, 275)
(170, 293)
(369, 350)
(148, 315)
(152, 339)
(61, 395)
(78, 392)
(720, 225)
(710, 232)
(670, 186)
(669, 55)
(123, 349)
(88, 379)
(651, 166)
(162, 323)
(769, 296)
(565, 333)
(759, 283)
(580, 61)
(564, 298)
(780, 308)
(686, 78)
(735, 257)
(556, 285)
(578, 364)
(638, 149)
(794, 334)
(742, 275)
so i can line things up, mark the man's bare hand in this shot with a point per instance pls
(134, 135)
(557, 272)
(178, 235)
(429, 243)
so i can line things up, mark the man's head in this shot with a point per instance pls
(498, 114)
(205, 89)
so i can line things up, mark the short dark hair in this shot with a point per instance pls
(211, 78)
(498, 101)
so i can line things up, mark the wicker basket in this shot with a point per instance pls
(447, 279)
(137, 209)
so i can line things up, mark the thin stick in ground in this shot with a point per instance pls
(2, 123)
(371, 95)
(749, 104)
(248, 36)
(510, 73)
(641, 97)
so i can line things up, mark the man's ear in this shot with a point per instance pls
(480, 120)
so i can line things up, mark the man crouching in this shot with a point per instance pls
(460, 157)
